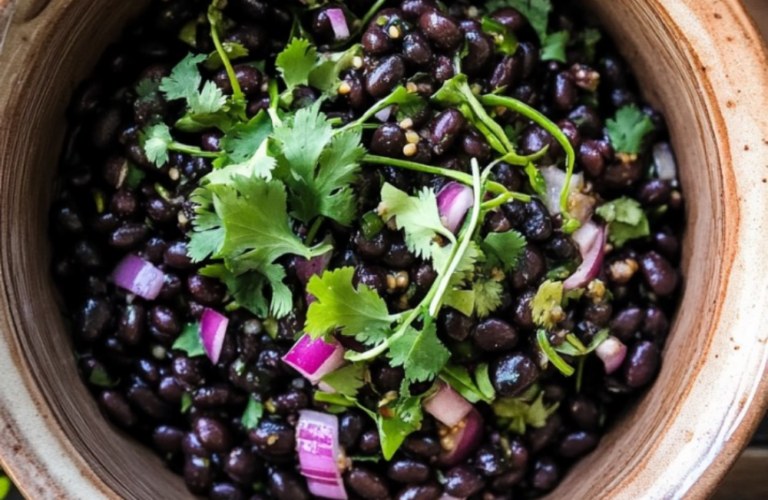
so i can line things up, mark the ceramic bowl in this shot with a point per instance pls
(702, 63)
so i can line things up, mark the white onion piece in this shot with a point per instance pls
(466, 440)
(555, 179)
(138, 277)
(317, 443)
(453, 202)
(213, 328)
(315, 358)
(338, 23)
(612, 352)
(447, 405)
(591, 241)
(664, 159)
(384, 114)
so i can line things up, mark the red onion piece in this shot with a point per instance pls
(384, 114)
(467, 439)
(315, 358)
(664, 159)
(555, 179)
(612, 352)
(447, 405)
(338, 23)
(138, 277)
(213, 328)
(453, 202)
(591, 241)
(317, 442)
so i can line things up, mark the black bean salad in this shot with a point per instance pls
(403, 250)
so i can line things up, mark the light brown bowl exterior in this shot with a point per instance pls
(701, 61)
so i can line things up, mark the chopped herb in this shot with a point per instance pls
(483, 380)
(521, 412)
(504, 249)
(233, 49)
(296, 62)
(628, 129)
(488, 293)
(553, 47)
(371, 225)
(100, 378)
(348, 379)
(590, 37)
(254, 410)
(551, 353)
(189, 341)
(134, 177)
(472, 390)
(420, 353)
(334, 399)
(504, 38)
(186, 402)
(626, 220)
(546, 304)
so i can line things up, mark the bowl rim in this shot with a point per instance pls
(53, 474)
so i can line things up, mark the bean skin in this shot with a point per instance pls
(512, 374)
(416, 49)
(442, 31)
(546, 474)
(198, 474)
(167, 439)
(241, 465)
(350, 429)
(388, 140)
(425, 492)
(445, 128)
(376, 42)
(463, 481)
(495, 335)
(287, 486)
(118, 409)
(94, 318)
(213, 435)
(659, 274)
(387, 74)
(577, 444)
(274, 437)
(408, 471)
(641, 364)
(367, 484)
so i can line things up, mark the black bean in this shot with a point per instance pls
(659, 274)
(388, 140)
(570, 131)
(167, 439)
(416, 49)
(480, 50)
(424, 492)
(495, 335)
(398, 256)
(510, 18)
(507, 73)
(666, 244)
(584, 412)
(385, 76)
(541, 437)
(88, 255)
(490, 461)
(366, 483)
(206, 290)
(350, 428)
(442, 70)
(94, 318)
(170, 389)
(176, 256)
(225, 491)
(290, 402)
(373, 248)
(370, 442)
(241, 465)
(445, 128)
(251, 36)
(654, 193)
(423, 277)
(512, 374)
(148, 370)
(68, 219)
(626, 323)
(561, 248)
(443, 31)
(588, 121)
(285, 485)
(198, 474)
(564, 91)
(622, 175)
(577, 444)
(538, 224)
(172, 286)
(165, 319)
(129, 235)
(413, 9)
(213, 434)
(455, 324)
(188, 371)
(598, 314)
(474, 144)
(148, 403)
(153, 249)
(387, 378)
(356, 97)
(118, 409)
(422, 444)
(105, 127)
(408, 471)
(376, 42)
(212, 397)
(530, 268)
(641, 364)
(523, 317)
(462, 481)
(509, 176)
(655, 322)
(274, 437)
(535, 139)
(546, 474)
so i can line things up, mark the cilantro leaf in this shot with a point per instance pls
(99, 377)
(626, 220)
(325, 75)
(504, 248)
(546, 304)
(157, 139)
(189, 341)
(146, 88)
(628, 129)
(461, 300)
(233, 49)
(590, 37)
(551, 354)
(260, 164)
(420, 353)
(461, 381)
(488, 293)
(208, 236)
(483, 380)
(418, 216)
(393, 432)
(553, 46)
(185, 79)
(348, 379)
(254, 410)
(242, 140)
(524, 413)
(504, 38)
(186, 402)
(536, 12)
(361, 313)
(296, 62)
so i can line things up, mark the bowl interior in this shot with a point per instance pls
(657, 451)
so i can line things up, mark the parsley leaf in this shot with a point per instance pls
(628, 129)
(504, 248)
(361, 313)
(418, 216)
(348, 379)
(189, 341)
(296, 62)
(420, 353)
(254, 410)
(626, 220)
(546, 304)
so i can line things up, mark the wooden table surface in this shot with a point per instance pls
(749, 478)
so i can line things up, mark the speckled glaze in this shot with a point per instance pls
(701, 62)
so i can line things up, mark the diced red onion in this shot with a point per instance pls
(305, 269)
(317, 442)
(453, 202)
(338, 23)
(664, 159)
(447, 405)
(138, 277)
(591, 241)
(315, 358)
(555, 179)
(466, 439)
(384, 114)
(612, 352)
(213, 328)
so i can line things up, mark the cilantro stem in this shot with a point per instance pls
(493, 187)
(314, 229)
(371, 12)
(551, 354)
(213, 19)
(192, 150)
(530, 113)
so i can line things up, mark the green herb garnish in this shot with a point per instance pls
(626, 220)
(628, 129)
